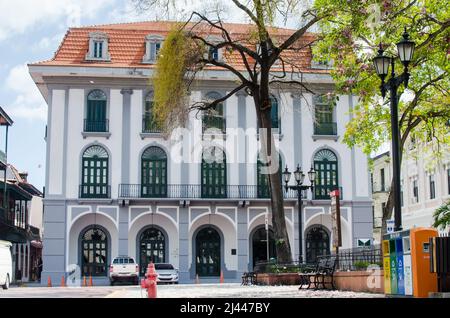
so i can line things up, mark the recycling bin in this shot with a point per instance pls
(387, 267)
(407, 270)
(406, 259)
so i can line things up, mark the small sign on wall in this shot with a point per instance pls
(390, 225)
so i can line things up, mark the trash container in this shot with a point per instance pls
(407, 263)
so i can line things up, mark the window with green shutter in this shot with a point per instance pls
(214, 173)
(96, 112)
(326, 166)
(95, 172)
(154, 173)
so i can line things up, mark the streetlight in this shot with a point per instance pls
(299, 178)
(382, 63)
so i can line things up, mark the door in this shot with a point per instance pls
(259, 245)
(317, 244)
(152, 249)
(208, 253)
(154, 173)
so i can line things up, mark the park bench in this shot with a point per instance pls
(248, 278)
(321, 276)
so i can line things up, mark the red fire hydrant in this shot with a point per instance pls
(149, 282)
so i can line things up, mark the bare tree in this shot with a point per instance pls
(270, 59)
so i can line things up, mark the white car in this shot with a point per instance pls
(5, 264)
(124, 268)
(166, 273)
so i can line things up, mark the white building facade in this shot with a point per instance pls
(425, 186)
(116, 186)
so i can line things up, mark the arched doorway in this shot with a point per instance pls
(94, 252)
(259, 245)
(152, 248)
(317, 243)
(207, 251)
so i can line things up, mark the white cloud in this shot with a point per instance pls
(29, 102)
(19, 16)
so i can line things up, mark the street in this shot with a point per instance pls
(179, 291)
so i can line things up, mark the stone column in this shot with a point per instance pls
(243, 241)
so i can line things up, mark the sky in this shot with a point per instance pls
(31, 31)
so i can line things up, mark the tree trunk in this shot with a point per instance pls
(282, 243)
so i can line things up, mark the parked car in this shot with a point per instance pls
(124, 268)
(5, 264)
(166, 273)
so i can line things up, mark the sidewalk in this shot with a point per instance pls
(236, 291)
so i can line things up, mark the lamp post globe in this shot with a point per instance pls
(405, 49)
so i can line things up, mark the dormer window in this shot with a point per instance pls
(153, 44)
(98, 47)
(214, 53)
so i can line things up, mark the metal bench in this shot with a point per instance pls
(248, 278)
(321, 276)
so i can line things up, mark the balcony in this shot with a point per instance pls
(323, 192)
(149, 126)
(376, 188)
(212, 123)
(92, 126)
(325, 129)
(188, 191)
(94, 192)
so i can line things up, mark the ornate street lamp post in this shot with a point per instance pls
(299, 178)
(382, 63)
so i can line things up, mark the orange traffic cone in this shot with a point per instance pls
(49, 282)
(197, 280)
(90, 281)
(222, 280)
(63, 281)
(84, 281)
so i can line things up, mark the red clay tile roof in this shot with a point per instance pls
(127, 45)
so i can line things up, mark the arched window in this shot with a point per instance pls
(207, 254)
(213, 118)
(148, 122)
(263, 183)
(96, 112)
(326, 166)
(95, 171)
(317, 243)
(152, 248)
(94, 252)
(214, 173)
(154, 173)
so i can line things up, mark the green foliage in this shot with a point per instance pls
(442, 216)
(170, 80)
(350, 40)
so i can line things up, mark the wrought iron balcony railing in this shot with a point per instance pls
(149, 126)
(328, 129)
(96, 126)
(188, 191)
(92, 191)
(214, 123)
